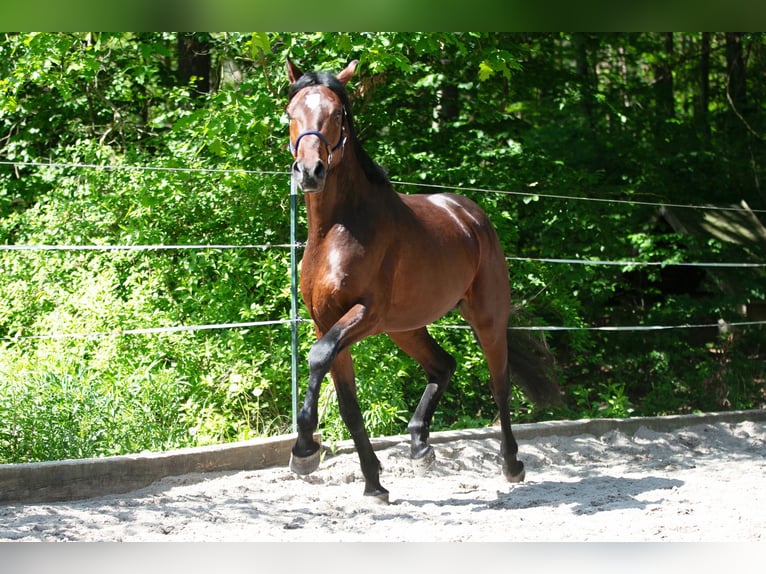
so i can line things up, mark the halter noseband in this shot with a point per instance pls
(293, 147)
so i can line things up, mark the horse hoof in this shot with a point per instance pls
(304, 464)
(377, 497)
(424, 463)
(517, 476)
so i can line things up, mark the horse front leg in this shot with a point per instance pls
(330, 353)
(306, 452)
(342, 372)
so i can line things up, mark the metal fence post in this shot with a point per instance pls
(294, 298)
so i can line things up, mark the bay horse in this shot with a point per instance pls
(377, 261)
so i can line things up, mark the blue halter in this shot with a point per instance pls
(293, 147)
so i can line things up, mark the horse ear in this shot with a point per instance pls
(347, 72)
(293, 71)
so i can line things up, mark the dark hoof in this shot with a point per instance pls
(515, 474)
(377, 497)
(425, 462)
(304, 464)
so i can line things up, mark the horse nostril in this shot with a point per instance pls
(296, 167)
(319, 170)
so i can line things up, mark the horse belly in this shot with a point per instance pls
(438, 262)
(424, 293)
(409, 318)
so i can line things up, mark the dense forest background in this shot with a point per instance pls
(581, 147)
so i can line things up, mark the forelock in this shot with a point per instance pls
(325, 79)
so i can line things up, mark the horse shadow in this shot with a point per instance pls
(587, 496)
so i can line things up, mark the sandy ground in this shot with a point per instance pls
(699, 483)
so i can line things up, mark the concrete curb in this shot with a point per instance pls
(93, 477)
(90, 478)
(596, 427)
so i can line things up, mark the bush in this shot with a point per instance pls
(508, 112)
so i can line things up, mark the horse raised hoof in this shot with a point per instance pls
(425, 462)
(304, 465)
(516, 473)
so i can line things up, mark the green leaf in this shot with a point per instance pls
(485, 71)
(259, 42)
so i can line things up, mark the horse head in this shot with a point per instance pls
(319, 123)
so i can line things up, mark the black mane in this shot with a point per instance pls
(374, 172)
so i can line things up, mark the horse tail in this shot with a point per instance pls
(532, 367)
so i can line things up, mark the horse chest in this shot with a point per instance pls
(337, 267)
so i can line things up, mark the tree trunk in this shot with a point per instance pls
(587, 77)
(737, 145)
(735, 67)
(703, 103)
(194, 60)
(663, 92)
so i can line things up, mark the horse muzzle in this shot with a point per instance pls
(309, 178)
(310, 175)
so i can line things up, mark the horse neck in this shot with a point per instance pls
(347, 192)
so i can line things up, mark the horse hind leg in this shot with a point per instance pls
(492, 336)
(439, 367)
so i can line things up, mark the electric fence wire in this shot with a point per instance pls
(243, 325)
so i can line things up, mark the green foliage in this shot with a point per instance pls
(534, 114)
